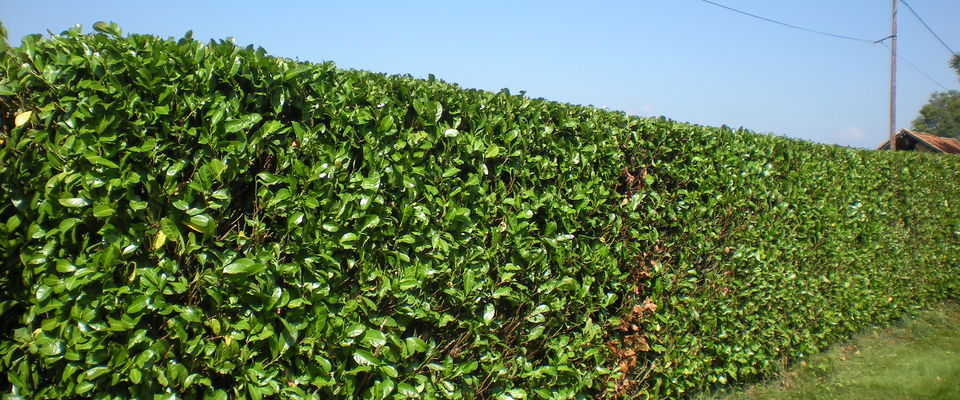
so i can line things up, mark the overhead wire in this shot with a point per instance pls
(904, 59)
(928, 27)
(838, 36)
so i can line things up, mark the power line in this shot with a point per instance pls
(834, 35)
(928, 27)
(917, 68)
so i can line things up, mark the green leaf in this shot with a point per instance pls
(13, 223)
(356, 330)
(408, 283)
(268, 179)
(386, 124)
(84, 387)
(200, 223)
(170, 230)
(349, 237)
(95, 372)
(649, 179)
(97, 160)
(4, 89)
(103, 210)
(469, 367)
(138, 304)
(329, 227)
(450, 172)
(22, 118)
(488, 313)
(371, 183)
(244, 266)
(52, 349)
(135, 375)
(219, 395)
(390, 371)
(415, 344)
(408, 390)
(64, 266)
(243, 123)
(68, 223)
(175, 168)
(74, 202)
(107, 28)
(374, 338)
(159, 240)
(190, 314)
(364, 357)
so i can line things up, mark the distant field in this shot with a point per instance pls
(917, 358)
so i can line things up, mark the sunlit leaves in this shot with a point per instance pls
(205, 220)
(201, 223)
(73, 202)
(244, 266)
(23, 118)
(364, 357)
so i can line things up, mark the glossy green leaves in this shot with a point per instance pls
(201, 219)
(207, 220)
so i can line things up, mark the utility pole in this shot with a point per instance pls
(893, 80)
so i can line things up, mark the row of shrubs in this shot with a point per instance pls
(201, 220)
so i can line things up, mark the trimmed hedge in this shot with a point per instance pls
(202, 220)
(766, 249)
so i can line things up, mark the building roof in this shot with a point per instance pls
(937, 144)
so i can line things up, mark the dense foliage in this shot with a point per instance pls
(769, 249)
(204, 219)
(201, 220)
(941, 115)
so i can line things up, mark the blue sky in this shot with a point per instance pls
(684, 59)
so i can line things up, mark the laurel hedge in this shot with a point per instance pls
(761, 250)
(202, 220)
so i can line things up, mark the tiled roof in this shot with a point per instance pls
(947, 145)
(943, 144)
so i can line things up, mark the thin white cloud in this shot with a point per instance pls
(852, 134)
(641, 109)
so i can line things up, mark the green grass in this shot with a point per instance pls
(918, 358)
